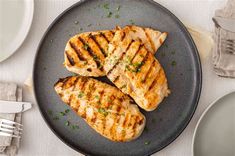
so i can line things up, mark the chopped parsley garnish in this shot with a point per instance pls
(132, 22)
(147, 142)
(62, 113)
(109, 14)
(80, 95)
(106, 5)
(146, 129)
(81, 29)
(97, 97)
(85, 46)
(67, 123)
(56, 118)
(166, 45)
(50, 112)
(67, 111)
(76, 22)
(73, 127)
(117, 16)
(103, 111)
(124, 86)
(173, 63)
(163, 54)
(89, 25)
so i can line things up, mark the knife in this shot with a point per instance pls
(228, 24)
(14, 107)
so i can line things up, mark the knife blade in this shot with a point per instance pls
(14, 107)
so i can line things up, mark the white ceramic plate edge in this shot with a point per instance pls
(202, 116)
(23, 32)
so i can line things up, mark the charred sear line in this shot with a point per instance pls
(70, 59)
(113, 33)
(91, 52)
(101, 49)
(148, 72)
(90, 91)
(123, 36)
(78, 52)
(116, 78)
(75, 82)
(83, 82)
(149, 39)
(155, 81)
(103, 35)
(65, 82)
(137, 52)
(138, 66)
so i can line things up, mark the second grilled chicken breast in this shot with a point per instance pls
(105, 108)
(135, 71)
(85, 53)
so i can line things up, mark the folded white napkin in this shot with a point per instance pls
(10, 92)
(224, 62)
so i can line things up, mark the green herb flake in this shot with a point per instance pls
(89, 25)
(67, 111)
(97, 97)
(106, 5)
(56, 118)
(132, 22)
(50, 112)
(76, 22)
(85, 46)
(81, 29)
(163, 54)
(146, 129)
(109, 14)
(173, 63)
(166, 45)
(62, 114)
(103, 111)
(117, 16)
(67, 123)
(80, 95)
(147, 142)
(73, 127)
(124, 86)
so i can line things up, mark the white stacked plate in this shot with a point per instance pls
(15, 21)
(215, 131)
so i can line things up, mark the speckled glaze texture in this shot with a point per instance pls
(178, 56)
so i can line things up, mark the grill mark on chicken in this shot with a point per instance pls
(70, 59)
(148, 72)
(91, 52)
(116, 78)
(77, 51)
(149, 39)
(96, 42)
(155, 80)
(102, 35)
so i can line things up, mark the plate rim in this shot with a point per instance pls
(208, 108)
(198, 87)
(27, 29)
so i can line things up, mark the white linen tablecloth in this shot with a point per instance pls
(39, 140)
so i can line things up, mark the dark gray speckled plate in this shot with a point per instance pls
(178, 56)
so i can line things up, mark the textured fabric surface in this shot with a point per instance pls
(10, 92)
(224, 61)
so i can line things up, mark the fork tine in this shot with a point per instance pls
(6, 130)
(10, 131)
(11, 122)
(11, 127)
(9, 135)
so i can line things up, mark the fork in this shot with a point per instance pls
(229, 45)
(10, 128)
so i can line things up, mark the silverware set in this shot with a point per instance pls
(10, 128)
(229, 45)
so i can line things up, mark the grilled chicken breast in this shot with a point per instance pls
(106, 109)
(135, 71)
(85, 53)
